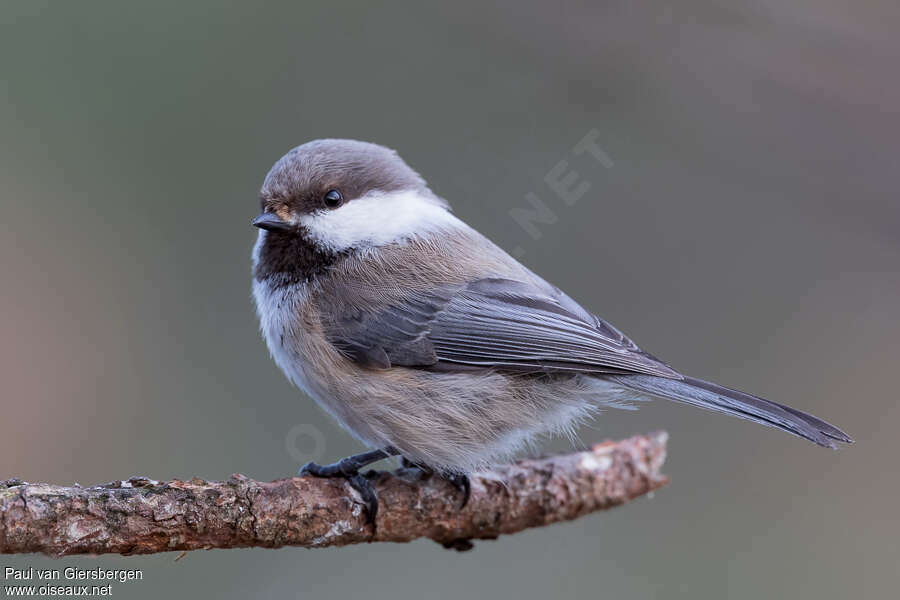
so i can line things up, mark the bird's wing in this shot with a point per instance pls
(495, 324)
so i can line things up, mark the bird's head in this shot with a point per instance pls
(330, 197)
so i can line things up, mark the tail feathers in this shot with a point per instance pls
(711, 396)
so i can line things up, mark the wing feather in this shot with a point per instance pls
(495, 324)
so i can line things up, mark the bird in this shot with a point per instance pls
(427, 341)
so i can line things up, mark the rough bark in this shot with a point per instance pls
(142, 516)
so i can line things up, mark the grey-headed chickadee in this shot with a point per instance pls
(424, 339)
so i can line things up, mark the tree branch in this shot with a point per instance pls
(142, 516)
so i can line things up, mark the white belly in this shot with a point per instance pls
(277, 309)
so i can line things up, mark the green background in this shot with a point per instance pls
(747, 232)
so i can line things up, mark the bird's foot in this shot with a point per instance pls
(463, 485)
(460, 481)
(348, 468)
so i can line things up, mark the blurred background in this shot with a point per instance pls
(747, 231)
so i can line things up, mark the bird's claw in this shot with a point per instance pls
(463, 485)
(358, 482)
(366, 490)
(460, 481)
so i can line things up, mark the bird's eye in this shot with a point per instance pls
(333, 199)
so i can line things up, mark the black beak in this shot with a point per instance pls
(271, 222)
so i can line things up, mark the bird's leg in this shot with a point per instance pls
(408, 464)
(348, 468)
(459, 480)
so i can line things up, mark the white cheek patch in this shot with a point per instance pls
(378, 219)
